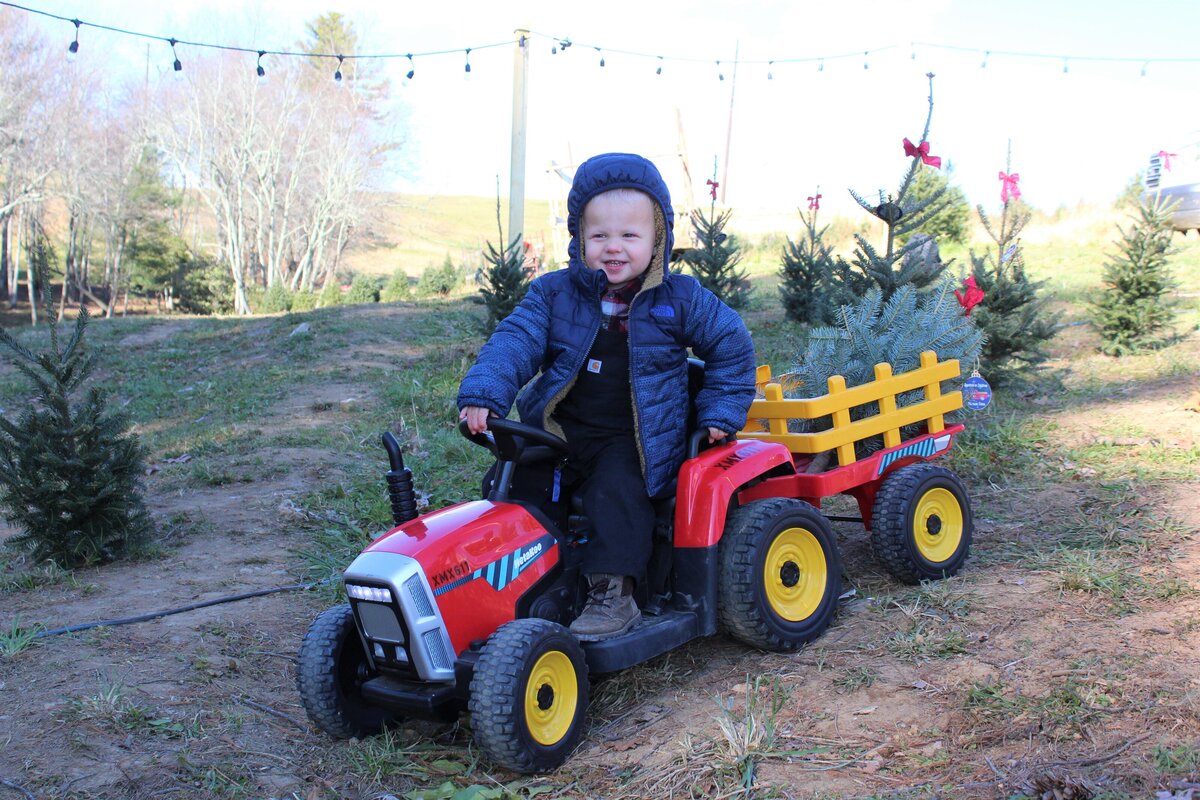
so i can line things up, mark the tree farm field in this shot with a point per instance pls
(1061, 662)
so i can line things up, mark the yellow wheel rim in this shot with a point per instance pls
(937, 525)
(551, 696)
(795, 574)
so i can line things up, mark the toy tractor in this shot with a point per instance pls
(465, 609)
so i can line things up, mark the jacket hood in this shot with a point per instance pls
(621, 171)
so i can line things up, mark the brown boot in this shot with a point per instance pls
(610, 609)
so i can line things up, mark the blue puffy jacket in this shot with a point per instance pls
(553, 328)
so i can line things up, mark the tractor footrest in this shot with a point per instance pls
(432, 701)
(652, 636)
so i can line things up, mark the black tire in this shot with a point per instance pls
(921, 523)
(330, 672)
(781, 574)
(529, 695)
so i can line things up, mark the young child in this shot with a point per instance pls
(609, 336)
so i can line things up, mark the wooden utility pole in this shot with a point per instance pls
(516, 159)
(729, 128)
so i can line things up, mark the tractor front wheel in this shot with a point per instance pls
(330, 672)
(921, 523)
(780, 574)
(529, 695)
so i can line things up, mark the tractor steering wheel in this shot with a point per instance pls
(509, 440)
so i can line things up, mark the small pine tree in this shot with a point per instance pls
(397, 288)
(277, 298)
(813, 283)
(504, 281)
(1011, 314)
(439, 280)
(715, 261)
(70, 473)
(904, 215)
(1132, 312)
(331, 293)
(363, 289)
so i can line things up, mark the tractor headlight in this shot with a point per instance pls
(375, 594)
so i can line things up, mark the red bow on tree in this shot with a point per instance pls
(912, 150)
(1009, 189)
(972, 297)
(714, 186)
(1166, 159)
(814, 202)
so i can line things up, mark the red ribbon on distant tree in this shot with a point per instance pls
(814, 203)
(912, 150)
(1166, 159)
(714, 186)
(972, 297)
(1010, 188)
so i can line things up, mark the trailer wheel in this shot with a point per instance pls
(529, 695)
(921, 523)
(330, 672)
(780, 574)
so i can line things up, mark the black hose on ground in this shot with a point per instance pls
(107, 623)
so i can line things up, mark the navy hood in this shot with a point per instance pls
(619, 171)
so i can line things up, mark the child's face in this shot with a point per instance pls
(618, 234)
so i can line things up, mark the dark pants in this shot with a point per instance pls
(615, 500)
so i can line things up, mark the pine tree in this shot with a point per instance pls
(715, 261)
(70, 472)
(903, 215)
(1132, 312)
(813, 282)
(504, 278)
(1011, 314)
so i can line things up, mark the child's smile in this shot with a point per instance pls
(618, 234)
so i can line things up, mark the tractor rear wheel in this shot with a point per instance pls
(330, 672)
(921, 523)
(529, 695)
(780, 574)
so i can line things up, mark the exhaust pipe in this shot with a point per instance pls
(399, 483)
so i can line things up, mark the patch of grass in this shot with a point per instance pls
(1176, 758)
(926, 639)
(999, 447)
(18, 639)
(227, 780)
(854, 678)
(15, 578)
(112, 707)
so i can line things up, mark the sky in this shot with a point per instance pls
(1082, 112)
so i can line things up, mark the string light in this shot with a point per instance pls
(821, 66)
(262, 73)
(986, 53)
(337, 75)
(1144, 68)
(178, 64)
(467, 66)
(769, 75)
(601, 52)
(865, 54)
(1064, 66)
(412, 69)
(73, 47)
(660, 63)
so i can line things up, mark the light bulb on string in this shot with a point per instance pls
(412, 69)
(73, 47)
(865, 54)
(720, 73)
(337, 74)
(601, 52)
(660, 63)
(1144, 68)
(262, 72)
(821, 66)
(770, 65)
(467, 65)
(986, 54)
(178, 65)
(1065, 70)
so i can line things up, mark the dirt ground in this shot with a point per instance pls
(1046, 690)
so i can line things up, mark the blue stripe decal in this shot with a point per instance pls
(924, 449)
(505, 569)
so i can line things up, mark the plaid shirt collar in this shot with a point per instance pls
(614, 305)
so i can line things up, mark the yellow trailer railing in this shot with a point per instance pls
(768, 418)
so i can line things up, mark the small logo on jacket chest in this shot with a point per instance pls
(662, 311)
(593, 365)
